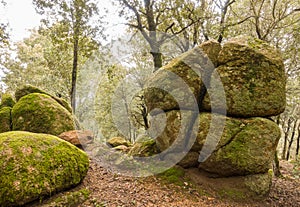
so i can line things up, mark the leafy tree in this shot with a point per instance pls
(159, 21)
(77, 14)
(4, 37)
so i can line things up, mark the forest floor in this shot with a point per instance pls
(107, 189)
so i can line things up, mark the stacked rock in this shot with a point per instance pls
(253, 78)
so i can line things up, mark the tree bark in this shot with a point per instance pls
(291, 141)
(298, 144)
(157, 60)
(276, 165)
(74, 74)
(286, 135)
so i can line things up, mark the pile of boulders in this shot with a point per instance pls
(253, 78)
(34, 161)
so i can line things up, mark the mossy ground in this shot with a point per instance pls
(37, 165)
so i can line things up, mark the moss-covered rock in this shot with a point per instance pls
(28, 89)
(5, 119)
(253, 77)
(212, 48)
(144, 147)
(40, 113)
(117, 141)
(7, 101)
(175, 131)
(37, 165)
(247, 146)
(180, 83)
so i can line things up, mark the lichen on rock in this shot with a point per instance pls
(246, 147)
(253, 77)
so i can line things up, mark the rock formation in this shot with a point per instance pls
(253, 77)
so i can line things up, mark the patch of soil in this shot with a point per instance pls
(112, 190)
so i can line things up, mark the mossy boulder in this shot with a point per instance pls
(212, 48)
(5, 119)
(7, 101)
(175, 131)
(180, 83)
(253, 76)
(36, 165)
(28, 89)
(40, 113)
(144, 147)
(117, 141)
(247, 146)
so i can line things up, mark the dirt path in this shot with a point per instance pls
(111, 190)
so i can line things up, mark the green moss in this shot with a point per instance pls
(174, 175)
(7, 101)
(28, 89)
(144, 147)
(37, 165)
(69, 199)
(232, 194)
(39, 113)
(5, 119)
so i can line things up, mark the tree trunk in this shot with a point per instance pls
(298, 143)
(157, 60)
(74, 73)
(286, 136)
(276, 166)
(291, 141)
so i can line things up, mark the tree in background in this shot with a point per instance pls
(159, 21)
(77, 15)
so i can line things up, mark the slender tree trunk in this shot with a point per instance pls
(276, 166)
(74, 73)
(291, 141)
(286, 136)
(298, 143)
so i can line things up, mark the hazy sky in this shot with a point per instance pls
(21, 16)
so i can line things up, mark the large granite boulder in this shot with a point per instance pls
(28, 89)
(181, 83)
(5, 119)
(79, 138)
(36, 165)
(40, 113)
(253, 77)
(175, 133)
(247, 146)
